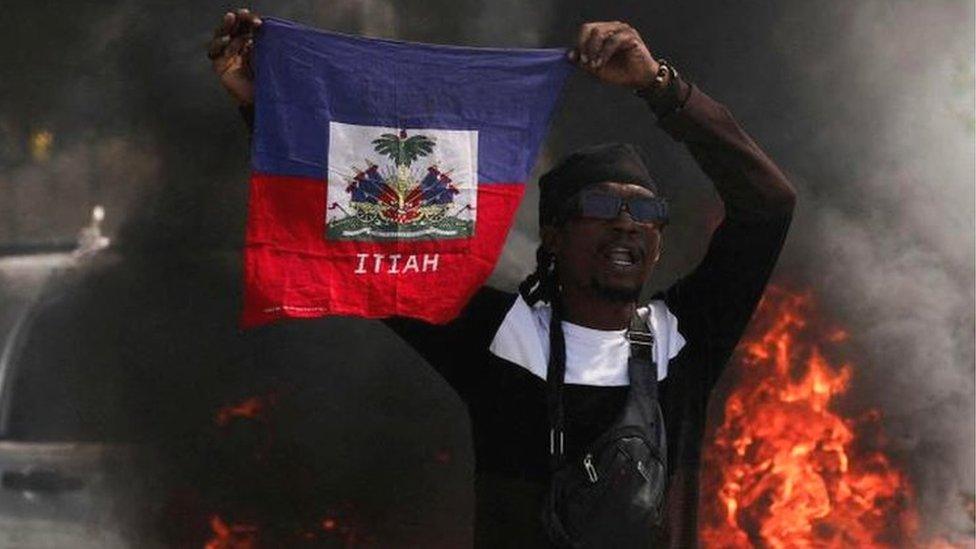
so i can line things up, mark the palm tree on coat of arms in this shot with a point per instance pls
(403, 151)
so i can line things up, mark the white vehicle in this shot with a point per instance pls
(58, 488)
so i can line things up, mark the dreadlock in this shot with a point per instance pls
(542, 285)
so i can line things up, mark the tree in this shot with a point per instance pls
(401, 149)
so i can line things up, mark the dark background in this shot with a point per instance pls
(868, 106)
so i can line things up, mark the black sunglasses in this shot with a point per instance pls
(601, 205)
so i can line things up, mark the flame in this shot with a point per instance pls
(785, 469)
(255, 407)
(255, 415)
(231, 536)
(329, 531)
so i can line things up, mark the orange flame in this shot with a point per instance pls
(328, 531)
(783, 465)
(231, 536)
(251, 408)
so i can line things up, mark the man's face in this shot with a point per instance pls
(606, 258)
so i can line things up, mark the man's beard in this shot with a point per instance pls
(615, 294)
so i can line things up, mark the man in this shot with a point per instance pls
(601, 226)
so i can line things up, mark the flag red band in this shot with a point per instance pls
(293, 271)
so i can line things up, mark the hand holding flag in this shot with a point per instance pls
(230, 53)
(614, 53)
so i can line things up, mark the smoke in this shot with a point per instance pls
(885, 230)
(868, 106)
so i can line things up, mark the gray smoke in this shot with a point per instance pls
(885, 233)
(868, 106)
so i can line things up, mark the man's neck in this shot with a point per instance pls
(596, 312)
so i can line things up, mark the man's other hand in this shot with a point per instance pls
(230, 52)
(614, 53)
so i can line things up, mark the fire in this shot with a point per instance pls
(231, 536)
(330, 531)
(786, 470)
(243, 518)
(255, 407)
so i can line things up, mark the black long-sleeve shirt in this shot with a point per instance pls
(713, 304)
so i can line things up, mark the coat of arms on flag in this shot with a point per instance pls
(394, 183)
(385, 174)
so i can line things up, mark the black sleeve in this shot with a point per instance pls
(715, 301)
(457, 349)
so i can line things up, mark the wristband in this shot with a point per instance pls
(665, 79)
(663, 95)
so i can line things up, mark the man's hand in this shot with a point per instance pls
(230, 52)
(614, 53)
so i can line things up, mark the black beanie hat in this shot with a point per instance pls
(618, 162)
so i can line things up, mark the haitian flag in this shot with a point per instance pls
(385, 174)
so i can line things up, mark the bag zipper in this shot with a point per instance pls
(590, 469)
(642, 471)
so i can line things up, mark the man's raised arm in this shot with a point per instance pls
(714, 302)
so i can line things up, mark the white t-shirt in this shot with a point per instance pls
(593, 357)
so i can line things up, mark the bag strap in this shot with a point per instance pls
(642, 407)
(641, 342)
(555, 378)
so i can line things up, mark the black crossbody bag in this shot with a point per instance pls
(613, 496)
